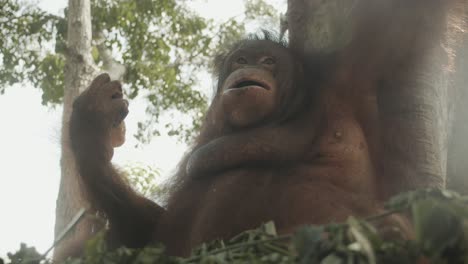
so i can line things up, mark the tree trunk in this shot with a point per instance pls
(458, 145)
(79, 70)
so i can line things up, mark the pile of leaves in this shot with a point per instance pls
(439, 217)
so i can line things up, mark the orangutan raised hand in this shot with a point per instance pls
(98, 114)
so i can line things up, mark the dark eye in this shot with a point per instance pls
(241, 60)
(268, 61)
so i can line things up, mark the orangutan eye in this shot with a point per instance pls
(268, 61)
(241, 60)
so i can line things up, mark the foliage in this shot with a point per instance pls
(162, 44)
(440, 219)
(157, 41)
(143, 179)
(24, 255)
(263, 13)
(26, 34)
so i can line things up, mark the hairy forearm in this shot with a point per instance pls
(105, 186)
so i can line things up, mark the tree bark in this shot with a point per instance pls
(79, 70)
(458, 143)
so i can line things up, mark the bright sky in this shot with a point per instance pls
(30, 149)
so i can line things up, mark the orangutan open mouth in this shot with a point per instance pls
(241, 84)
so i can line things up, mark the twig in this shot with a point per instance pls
(76, 219)
(382, 215)
(247, 244)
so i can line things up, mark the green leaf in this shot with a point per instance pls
(306, 242)
(359, 234)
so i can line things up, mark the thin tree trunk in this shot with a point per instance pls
(458, 145)
(79, 70)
